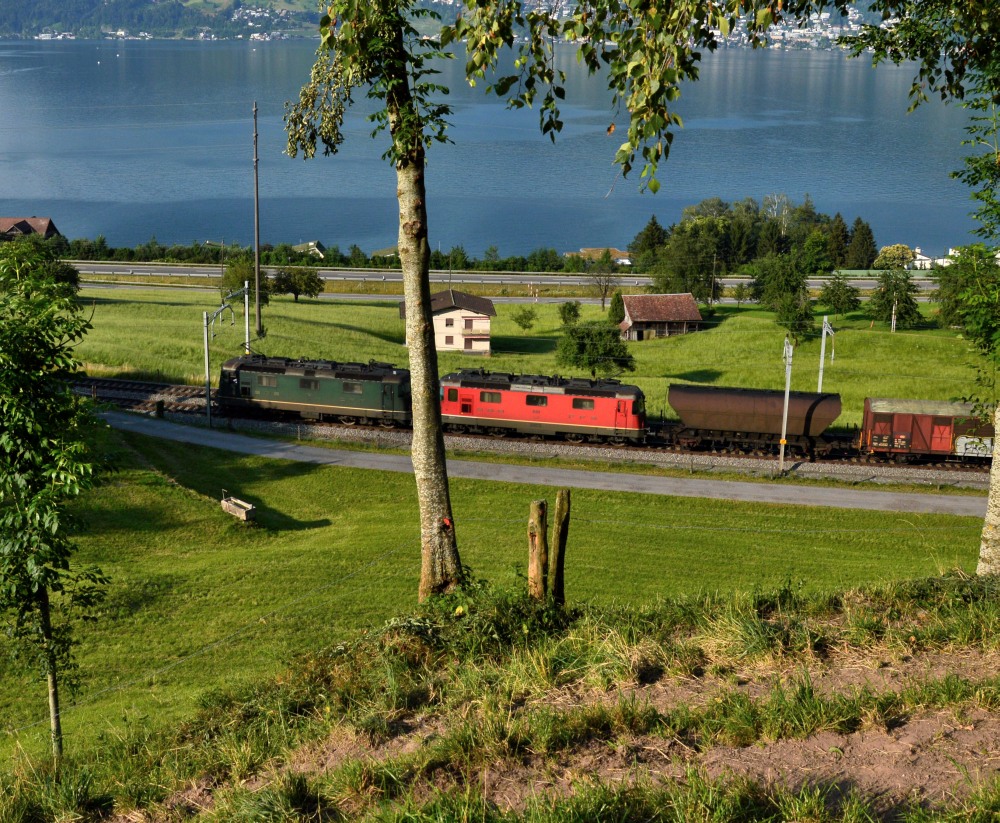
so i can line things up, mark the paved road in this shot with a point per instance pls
(641, 484)
(920, 279)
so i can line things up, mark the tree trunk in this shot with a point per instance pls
(538, 550)
(55, 721)
(560, 535)
(441, 567)
(989, 548)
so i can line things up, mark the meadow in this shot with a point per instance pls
(158, 333)
(198, 601)
(207, 619)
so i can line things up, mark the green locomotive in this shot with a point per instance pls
(373, 393)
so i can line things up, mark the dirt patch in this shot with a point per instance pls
(932, 757)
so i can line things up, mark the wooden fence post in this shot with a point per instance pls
(538, 550)
(560, 532)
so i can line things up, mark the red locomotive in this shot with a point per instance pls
(474, 400)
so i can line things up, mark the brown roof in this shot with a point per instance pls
(22, 226)
(660, 308)
(451, 299)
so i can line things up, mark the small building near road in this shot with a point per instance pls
(461, 321)
(659, 315)
(593, 255)
(12, 228)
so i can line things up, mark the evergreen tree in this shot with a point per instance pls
(838, 238)
(861, 252)
(649, 239)
(794, 314)
(839, 295)
(616, 311)
(895, 292)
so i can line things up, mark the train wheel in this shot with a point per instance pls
(497, 432)
(387, 423)
(574, 437)
(348, 421)
(618, 440)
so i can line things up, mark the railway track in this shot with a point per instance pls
(145, 396)
(153, 397)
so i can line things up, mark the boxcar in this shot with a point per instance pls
(923, 428)
(317, 389)
(752, 418)
(575, 409)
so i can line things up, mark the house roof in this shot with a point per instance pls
(660, 308)
(451, 299)
(596, 253)
(21, 226)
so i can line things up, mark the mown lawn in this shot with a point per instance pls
(198, 601)
(159, 333)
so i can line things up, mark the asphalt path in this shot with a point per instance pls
(969, 506)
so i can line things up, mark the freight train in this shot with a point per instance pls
(605, 411)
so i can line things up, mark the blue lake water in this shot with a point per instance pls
(132, 140)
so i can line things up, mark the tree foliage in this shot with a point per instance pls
(595, 346)
(296, 280)
(524, 317)
(839, 295)
(569, 312)
(895, 293)
(794, 313)
(45, 461)
(861, 251)
(616, 311)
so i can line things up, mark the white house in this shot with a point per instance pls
(461, 321)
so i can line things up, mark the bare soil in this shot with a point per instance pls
(934, 757)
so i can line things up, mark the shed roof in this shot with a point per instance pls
(20, 226)
(451, 299)
(661, 308)
(934, 408)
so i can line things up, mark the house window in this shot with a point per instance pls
(489, 397)
(352, 388)
(468, 345)
(468, 323)
(268, 380)
(536, 400)
(449, 340)
(449, 321)
(583, 403)
(308, 385)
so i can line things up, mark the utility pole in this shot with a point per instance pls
(827, 330)
(787, 357)
(256, 228)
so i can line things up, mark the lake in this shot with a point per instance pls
(138, 139)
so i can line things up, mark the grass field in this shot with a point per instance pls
(159, 333)
(198, 601)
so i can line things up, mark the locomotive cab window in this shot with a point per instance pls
(352, 388)
(638, 406)
(586, 403)
(452, 395)
(308, 385)
(489, 397)
(268, 380)
(536, 400)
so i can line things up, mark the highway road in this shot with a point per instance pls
(443, 277)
